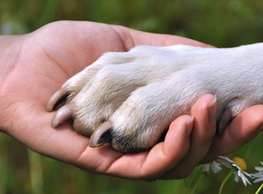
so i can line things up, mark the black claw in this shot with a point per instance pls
(61, 100)
(57, 99)
(101, 135)
(103, 139)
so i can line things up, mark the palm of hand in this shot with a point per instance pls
(46, 58)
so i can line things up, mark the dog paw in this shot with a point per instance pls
(129, 99)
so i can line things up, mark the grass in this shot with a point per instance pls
(23, 171)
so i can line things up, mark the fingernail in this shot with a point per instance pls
(189, 124)
(189, 121)
(213, 102)
(212, 110)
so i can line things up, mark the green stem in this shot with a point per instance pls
(259, 189)
(224, 182)
(193, 176)
(197, 183)
(36, 172)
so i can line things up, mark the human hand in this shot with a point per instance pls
(244, 128)
(35, 65)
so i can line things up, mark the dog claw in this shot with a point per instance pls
(101, 135)
(58, 97)
(63, 114)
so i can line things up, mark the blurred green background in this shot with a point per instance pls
(221, 23)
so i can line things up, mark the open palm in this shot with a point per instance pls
(35, 65)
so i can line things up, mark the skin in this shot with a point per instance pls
(35, 65)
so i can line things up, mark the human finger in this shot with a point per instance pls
(203, 111)
(244, 128)
(160, 159)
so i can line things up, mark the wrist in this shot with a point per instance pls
(10, 48)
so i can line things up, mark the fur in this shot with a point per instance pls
(129, 99)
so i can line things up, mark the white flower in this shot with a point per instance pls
(214, 166)
(239, 166)
(259, 168)
(225, 161)
(258, 176)
(243, 175)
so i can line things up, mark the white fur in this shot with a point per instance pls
(142, 91)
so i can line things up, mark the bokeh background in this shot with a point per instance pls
(223, 23)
